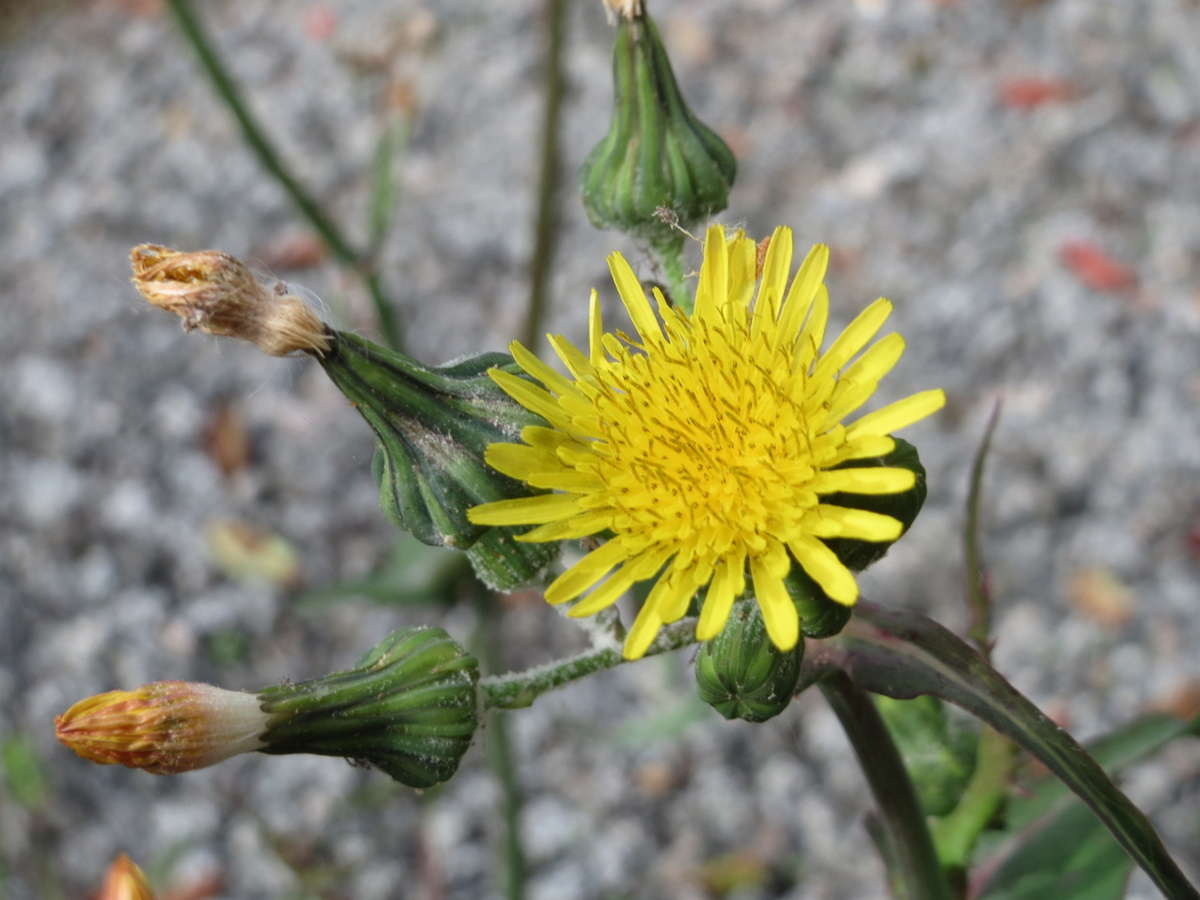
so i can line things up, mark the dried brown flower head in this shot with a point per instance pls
(166, 727)
(218, 294)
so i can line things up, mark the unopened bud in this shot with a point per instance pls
(166, 727)
(433, 425)
(659, 167)
(408, 707)
(741, 674)
(218, 294)
(125, 881)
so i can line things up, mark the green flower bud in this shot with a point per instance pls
(433, 424)
(741, 675)
(658, 161)
(820, 617)
(408, 707)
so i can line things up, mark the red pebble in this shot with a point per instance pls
(1030, 93)
(320, 21)
(1095, 268)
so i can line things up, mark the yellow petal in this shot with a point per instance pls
(877, 361)
(714, 276)
(581, 576)
(642, 634)
(743, 266)
(569, 529)
(520, 461)
(868, 480)
(539, 370)
(864, 327)
(525, 510)
(898, 415)
(595, 329)
(804, 291)
(841, 522)
(825, 569)
(531, 397)
(778, 610)
(633, 295)
(718, 603)
(774, 277)
(808, 345)
(672, 595)
(567, 480)
(637, 569)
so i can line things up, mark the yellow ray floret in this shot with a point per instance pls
(705, 444)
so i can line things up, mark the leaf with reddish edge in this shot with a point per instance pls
(903, 655)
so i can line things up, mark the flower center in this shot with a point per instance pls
(706, 443)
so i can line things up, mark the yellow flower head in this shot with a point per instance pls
(708, 444)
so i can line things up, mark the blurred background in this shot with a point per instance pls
(1022, 179)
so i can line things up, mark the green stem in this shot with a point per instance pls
(519, 689)
(900, 810)
(669, 256)
(499, 748)
(229, 92)
(955, 834)
(979, 597)
(546, 227)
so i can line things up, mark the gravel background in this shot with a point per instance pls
(1022, 178)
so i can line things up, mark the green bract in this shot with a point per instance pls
(741, 675)
(408, 707)
(657, 156)
(433, 424)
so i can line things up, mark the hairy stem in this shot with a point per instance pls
(519, 689)
(499, 749)
(546, 227)
(230, 94)
(899, 809)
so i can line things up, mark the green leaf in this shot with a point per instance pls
(903, 655)
(415, 574)
(939, 753)
(1051, 842)
(23, 773)
(1072, 858)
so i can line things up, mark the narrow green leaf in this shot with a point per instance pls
(902, 654)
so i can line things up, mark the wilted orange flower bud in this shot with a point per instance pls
(166, 727)
(218, 294)
(125, 881)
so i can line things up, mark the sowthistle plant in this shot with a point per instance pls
(718, 455)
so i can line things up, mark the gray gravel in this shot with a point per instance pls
(873, 125)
